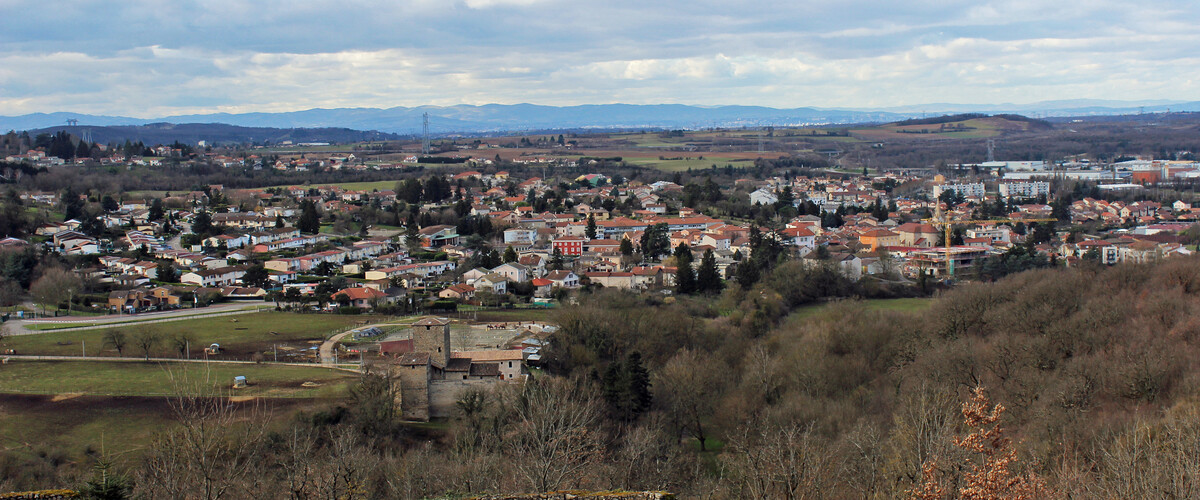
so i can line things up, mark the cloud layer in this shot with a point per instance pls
(143, 58)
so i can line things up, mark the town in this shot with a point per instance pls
(402, 287)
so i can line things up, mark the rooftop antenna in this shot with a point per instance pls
(425, 133)
(991, 150)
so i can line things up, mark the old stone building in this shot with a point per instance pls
(432, 377)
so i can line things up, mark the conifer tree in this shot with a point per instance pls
(708, 278)
(638, 385)
(685, 278)
(591, 227)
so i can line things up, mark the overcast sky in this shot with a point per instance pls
(162, 57)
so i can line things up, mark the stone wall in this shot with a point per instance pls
(414, 392)
(444, 393)
(40, 495)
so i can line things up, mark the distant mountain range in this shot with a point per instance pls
(491, 118)
(214, 133)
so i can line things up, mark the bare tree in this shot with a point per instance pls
(296, 464)
(181, 343)
(923, 429)
(214, 452)
(55, 286)
(10, 293)
(145, 342)
(779, 462)
(116, 339)
(686, 388)
(550, 432)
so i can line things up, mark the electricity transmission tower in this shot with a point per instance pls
(425, 133)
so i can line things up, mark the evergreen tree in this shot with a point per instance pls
(685, 278)
(156, 210)
(106, 484)
(310, 219)
(202, 223)
(786, 198)
(655, 241)
(747, 274)
(637, 381)
(72, 205)
(591, 227)
(83, 150)
(279, 221)
(708, 278)
(556, 259)
(626, 247)
(510, 255)
(490, 259)
(683, 254)
(613, 387)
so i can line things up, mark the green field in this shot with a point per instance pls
(99, 378)
(238, 334)
(355, 186)
(682, 165)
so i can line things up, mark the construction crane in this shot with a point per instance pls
(943, 220)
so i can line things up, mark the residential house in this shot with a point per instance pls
(361, 297)
(223, 276)
(462, 292)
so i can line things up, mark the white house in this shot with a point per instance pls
(763, 196)
(224, 276)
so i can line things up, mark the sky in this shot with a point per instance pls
(157, 58)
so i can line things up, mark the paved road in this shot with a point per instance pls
(20, 326)
(328, 345)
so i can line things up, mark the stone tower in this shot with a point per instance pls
(432, 335)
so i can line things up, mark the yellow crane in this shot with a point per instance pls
(943, 220)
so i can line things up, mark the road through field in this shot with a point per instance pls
(21, 326)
